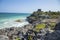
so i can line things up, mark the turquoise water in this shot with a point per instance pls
(6, 17)
(9, 16)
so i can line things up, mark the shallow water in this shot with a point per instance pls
(7, 19)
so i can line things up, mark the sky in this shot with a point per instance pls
(28, 6)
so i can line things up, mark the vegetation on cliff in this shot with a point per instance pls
(42, 15)
(43, 26)
(38, 16)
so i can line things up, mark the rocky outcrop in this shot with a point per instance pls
(57, 27)
(37, 16)
(54, 35)
(28, 32)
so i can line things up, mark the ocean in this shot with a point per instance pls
(6, 19)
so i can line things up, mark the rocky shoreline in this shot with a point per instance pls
(17, 32)
(23, 33)
(40, 27)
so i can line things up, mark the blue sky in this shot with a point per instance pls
(28, 6)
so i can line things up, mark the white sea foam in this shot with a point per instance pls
(8, 20)
(14, 24)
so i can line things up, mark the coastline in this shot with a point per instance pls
(6, 20)
(13, 23)
(35, 26)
